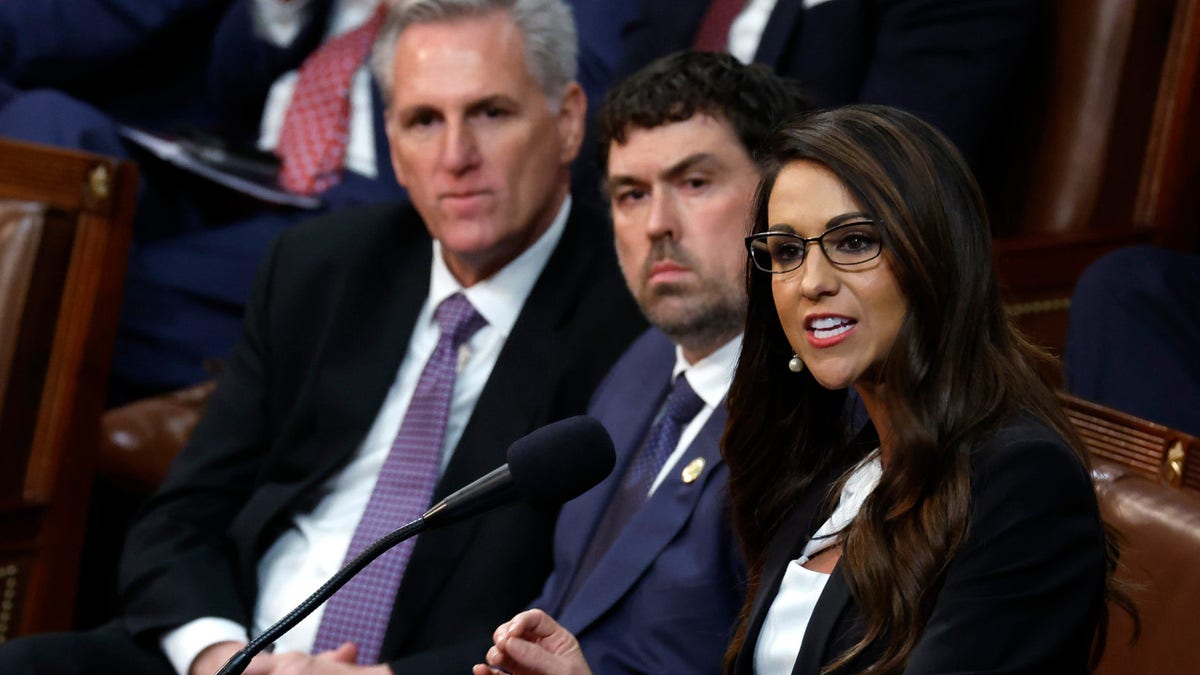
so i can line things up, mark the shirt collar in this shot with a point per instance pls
(710, 377)
(500, 297)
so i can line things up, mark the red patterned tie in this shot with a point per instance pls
(713, 35)
(312, 143)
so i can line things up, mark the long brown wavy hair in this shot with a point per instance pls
(956, 371)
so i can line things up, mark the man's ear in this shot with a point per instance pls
(572, 111)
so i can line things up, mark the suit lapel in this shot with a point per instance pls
(583, 515)
(784, 548)
(515, 401)
(358, 358)
(784, 23)
(650, 530)
(834, 600)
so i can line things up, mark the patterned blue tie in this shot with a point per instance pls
(360, 610)
(681, 405)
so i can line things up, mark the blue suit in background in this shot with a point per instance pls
(664, 597)
(1133, 334)
(143, 62)
(197, 245)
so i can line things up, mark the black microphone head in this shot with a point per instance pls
(560, 461)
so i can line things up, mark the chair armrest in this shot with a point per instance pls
(139, 440)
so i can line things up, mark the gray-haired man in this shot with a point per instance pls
(319, 433)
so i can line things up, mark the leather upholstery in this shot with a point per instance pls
(139, 440)
(20, 232)
(1160, 560)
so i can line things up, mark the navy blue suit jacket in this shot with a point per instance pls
(142, 62)
(664, 597)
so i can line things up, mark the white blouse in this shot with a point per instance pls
(783, 630)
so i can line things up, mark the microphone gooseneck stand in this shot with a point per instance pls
(238, 663)
(538, 475)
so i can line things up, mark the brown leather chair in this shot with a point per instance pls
(1160, 561)
(1114, 155)
(1148, 480)
(64, 236)
(139, 439)
(1156, 452)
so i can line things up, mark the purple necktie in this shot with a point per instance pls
(360, 610)
(681, 405)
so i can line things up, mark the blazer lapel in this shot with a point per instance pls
(783, 549)
(834, 600)
(583, 515)
(787, 545)
(781, 26)
(649, 531)
(515, 401)
(362, 353)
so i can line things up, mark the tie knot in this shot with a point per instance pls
(682, 403)
(457, 319)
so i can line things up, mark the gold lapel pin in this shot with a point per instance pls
(692, 471)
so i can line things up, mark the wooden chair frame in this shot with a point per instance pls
(49, 422)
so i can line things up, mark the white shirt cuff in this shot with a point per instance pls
(279, 22)
(185, 643)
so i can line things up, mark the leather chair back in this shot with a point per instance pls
(1114, 154)
(1160, 561)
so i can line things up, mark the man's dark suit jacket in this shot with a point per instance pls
(665, 596)
(1023, 594)
(957, 64)
(325, 331)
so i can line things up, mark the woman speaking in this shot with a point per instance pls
(956, 530)
(959, 530)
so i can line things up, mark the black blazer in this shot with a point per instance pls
(1023, 595)
(324, 333)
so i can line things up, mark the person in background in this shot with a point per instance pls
(275, 78)
(647, 572)
(959, 530)
(1132, 335)
(389, 356)
(197, 244)
(962, 65)
(140, 61)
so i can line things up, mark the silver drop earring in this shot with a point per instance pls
(795, 364)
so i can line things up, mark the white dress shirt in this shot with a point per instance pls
(783, 630)
(709, 378)
(279, 23)
(313, 548)
(746, 31)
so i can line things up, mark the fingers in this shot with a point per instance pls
(347, 652)
(532, 624)
(522, 657)
(261, 664)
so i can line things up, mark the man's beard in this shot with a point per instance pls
(701, 316)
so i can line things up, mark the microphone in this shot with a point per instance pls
(539, 471)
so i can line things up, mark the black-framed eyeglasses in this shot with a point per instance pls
(845, 245)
